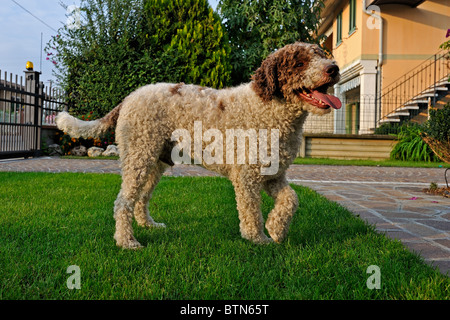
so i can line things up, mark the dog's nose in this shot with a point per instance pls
(332, 70)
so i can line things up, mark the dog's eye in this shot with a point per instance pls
(299, 65)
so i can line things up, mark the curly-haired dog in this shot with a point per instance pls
(291, 82)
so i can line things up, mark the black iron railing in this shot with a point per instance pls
(419, 86)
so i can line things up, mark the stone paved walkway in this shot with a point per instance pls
(390, 198)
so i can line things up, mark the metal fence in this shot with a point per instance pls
(26, 105)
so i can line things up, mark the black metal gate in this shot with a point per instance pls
(25, 106)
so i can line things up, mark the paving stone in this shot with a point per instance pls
(442, 265)
(428, 250)
(437, 224)
(419, 229)
(403, 236)
(443, 242)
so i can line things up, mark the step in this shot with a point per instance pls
(438, 88)
(387, 120)
(424, 95)
(398, 114)
(415, 102)
(409, 107)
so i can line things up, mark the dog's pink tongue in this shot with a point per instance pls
(330, 100)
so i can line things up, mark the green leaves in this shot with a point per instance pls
(411, 146)
(438, 127)
(258, 27)
(198, 49)
(123, 45)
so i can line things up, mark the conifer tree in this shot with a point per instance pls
(193, 42)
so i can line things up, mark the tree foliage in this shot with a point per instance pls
(438, 126)
(193, 42)
(124, 44)
(258, 27)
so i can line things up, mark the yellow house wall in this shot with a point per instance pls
(412, 35)
(349, 49)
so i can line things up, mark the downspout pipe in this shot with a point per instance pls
(376, 14)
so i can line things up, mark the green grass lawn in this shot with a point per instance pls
(49, 222)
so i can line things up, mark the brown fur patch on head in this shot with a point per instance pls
(176, 88)
(265, 79)
(293, 63)
(221, 105)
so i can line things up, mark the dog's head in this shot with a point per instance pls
(299, 73)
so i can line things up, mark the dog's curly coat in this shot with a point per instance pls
(291, 82)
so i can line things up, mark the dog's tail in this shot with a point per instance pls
(77, 128)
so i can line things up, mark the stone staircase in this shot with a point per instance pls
(419, 102)
(416, 90)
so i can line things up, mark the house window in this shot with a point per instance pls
(339, 28)
(352, 15)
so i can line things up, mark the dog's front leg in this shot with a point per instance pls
(286, 204)
(248, 200)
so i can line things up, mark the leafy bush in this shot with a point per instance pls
(410, 145)
(437, 133)
(438, 126)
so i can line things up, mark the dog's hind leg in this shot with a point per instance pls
(141, 212)
(286, 204)
(138, 161)
(248, 200)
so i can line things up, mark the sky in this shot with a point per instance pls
(20, 33)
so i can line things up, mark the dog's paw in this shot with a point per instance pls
(265, 240)
(133, 245)
(258, 239)
(128, 243)
(277, 237)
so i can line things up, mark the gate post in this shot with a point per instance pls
(34, 105)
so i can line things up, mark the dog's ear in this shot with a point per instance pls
(265, 79)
